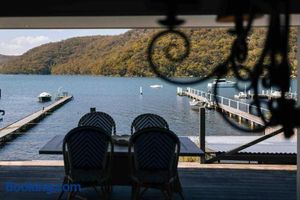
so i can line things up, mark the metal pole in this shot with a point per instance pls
(298, 130)
(93, 109)
(202, 132)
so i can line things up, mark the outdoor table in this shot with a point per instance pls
(120, 168)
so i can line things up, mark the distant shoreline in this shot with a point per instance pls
(116, 76)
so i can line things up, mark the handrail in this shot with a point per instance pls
(213, 98)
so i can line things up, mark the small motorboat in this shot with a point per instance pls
(195, 105)
(221, 83)
(61, 94)
(156, 86)
(241, 95)
(44, 96)
(275, 94)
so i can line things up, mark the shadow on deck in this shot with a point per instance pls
(198, 183)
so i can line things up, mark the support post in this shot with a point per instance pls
(251, 124)
(202, 132)
(298, 98)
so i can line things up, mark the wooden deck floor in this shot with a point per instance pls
(202, 184)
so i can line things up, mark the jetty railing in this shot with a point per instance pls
(241, 106)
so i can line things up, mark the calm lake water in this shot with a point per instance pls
(119, 97)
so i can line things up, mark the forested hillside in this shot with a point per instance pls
(125, 54)
(5, 59)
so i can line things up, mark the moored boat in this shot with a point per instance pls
(241, 95)
(61, 94)
(156, 86)
(44, 96)
(222, 83)
(195, 104)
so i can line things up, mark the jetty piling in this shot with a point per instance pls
(202, 132)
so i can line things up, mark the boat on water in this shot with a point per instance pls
(195, 105)
(221, 83)
(61, 94)
(156, 86)
(241, 95)
(275, 94)
(44, 97)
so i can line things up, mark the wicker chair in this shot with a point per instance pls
(153, 159)
(87, 153)
(100, 120)
(148, 120)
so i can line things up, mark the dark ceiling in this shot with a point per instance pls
(121, 7)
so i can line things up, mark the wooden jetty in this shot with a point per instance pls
(9, 132)
(238, 109)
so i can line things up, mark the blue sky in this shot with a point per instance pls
(18, 41)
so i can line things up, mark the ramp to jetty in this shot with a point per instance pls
(9, 132)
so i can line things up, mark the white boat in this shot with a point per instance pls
(275, 94)
(241, 95)
(209, 105)
(44, 96)
(222, 83)
(156, 86)
(195, 105)
(61, 94)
